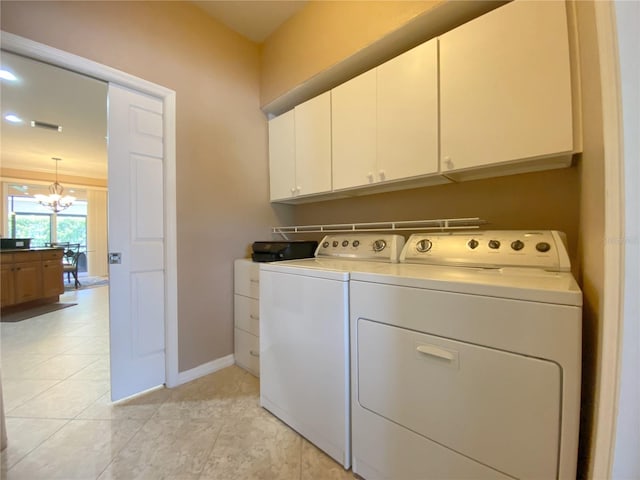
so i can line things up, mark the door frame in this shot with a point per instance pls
(38, 51)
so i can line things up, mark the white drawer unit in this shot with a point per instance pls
(246, 313)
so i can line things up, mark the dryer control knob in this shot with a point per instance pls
(424, 245)
(345, 243)
(335, 243)
(325, 244)
(473, 243)
(379, 245)
(543, 247)
(494, 244)
(355, 243)
(517, 245)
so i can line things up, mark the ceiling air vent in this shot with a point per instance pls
(46, 126)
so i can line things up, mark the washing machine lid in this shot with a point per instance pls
(329, 269)
(530, 284)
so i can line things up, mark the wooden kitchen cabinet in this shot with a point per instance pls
(7, 284)
(52, 273)
(31, 276)
(300, 150)
(506, 92)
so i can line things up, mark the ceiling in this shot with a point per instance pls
(56, 96)
(255, 19)
(49, 94)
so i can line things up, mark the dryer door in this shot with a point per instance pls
(496, 407)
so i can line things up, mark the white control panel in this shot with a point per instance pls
(492, 248)
(362, 246)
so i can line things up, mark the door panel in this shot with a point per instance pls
(136, 230)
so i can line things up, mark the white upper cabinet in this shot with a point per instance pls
(385, 121)
(353, 117)
(505, 92)
(313, 145)
(407, 102)
(282, 156)
(300, 150)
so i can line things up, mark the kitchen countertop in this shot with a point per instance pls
(36, 249)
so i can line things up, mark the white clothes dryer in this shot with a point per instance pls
(466, 363)
(304, 337)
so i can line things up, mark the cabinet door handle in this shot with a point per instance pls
(448, 162)
(254, 317)
(253, 280)
(435, 351)
(253, 353)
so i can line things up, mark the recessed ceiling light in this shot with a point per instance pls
(12, 118)
(7, 75)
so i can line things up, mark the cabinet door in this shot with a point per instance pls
(28, 281)
(505, 87)
(282, 156)
(407, 116)
(52, 283)
(7, 285)
(313, 145)
(353, 127)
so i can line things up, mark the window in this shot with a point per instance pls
(29, 219)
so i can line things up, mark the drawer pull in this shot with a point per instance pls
(254, 317)
(253, 353)
(253, 280)
(435, 351)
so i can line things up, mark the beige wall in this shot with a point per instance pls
(592, 233)
(325, 33)
(222, 186)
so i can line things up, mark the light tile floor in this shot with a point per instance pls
(62, 425)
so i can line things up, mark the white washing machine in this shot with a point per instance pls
(466, 360)
(304, 337)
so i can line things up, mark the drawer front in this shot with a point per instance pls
(246, 278)
(247, 351)
(52, 254)
(27, 256)
(246, 312)
(496, 407)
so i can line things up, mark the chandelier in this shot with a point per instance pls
(56, 200)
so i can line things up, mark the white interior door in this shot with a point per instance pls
(136, 235)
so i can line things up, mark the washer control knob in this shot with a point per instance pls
(355, 243)
(345, 243)
(494, 244)
(335, 243)
(517, 245)
(379, 245)
(543, 247)
(424, 245)
(473, 243)
(325, 244)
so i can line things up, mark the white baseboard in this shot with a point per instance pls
(205, 369)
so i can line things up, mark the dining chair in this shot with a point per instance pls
(70, 262)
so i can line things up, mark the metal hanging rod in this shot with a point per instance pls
(439, 224)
